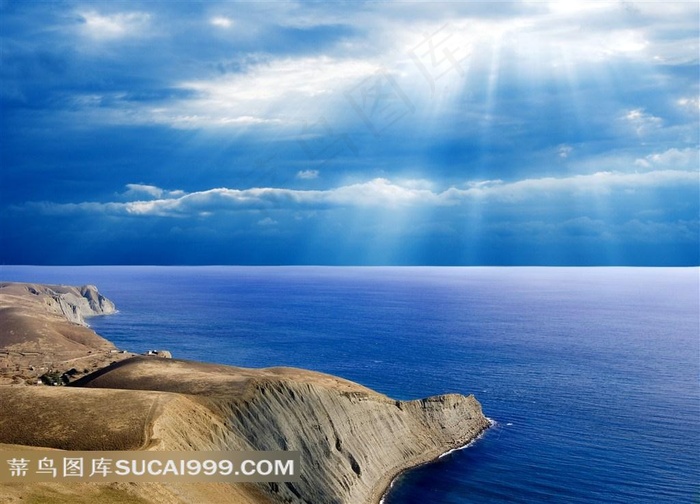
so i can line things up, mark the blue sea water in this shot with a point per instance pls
(591, 374)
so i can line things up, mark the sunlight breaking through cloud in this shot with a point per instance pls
(424, 129)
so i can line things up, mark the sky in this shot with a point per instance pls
(349, 133)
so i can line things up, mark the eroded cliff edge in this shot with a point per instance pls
(43, 330)
(73, 303)
(352, 440)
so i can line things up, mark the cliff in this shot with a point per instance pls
(352, 440)
(76, 303)
(73, 303)
(43, 332)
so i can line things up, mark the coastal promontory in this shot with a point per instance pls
(353, 441)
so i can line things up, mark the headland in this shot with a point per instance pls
(64, 387)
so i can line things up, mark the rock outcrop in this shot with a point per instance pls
(43, 330)
(74, 303)
(352, 440)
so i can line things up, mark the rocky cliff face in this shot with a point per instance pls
(76, 303)
(73, 303)
(353, 443)
(352, 440)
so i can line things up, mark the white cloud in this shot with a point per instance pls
(690, 104)
(564, 151)
(141, 190)
(541, 39)
(599, 183)
(108, 27)
(642, 122)
(478, 184)
(221, 22)
(625, 42)
(416, 184)
(307, 174)
(380, 193)
(280, 91)
(627, 30)
(672, 158)
(574, 8)
(672, 29)
(171, 117)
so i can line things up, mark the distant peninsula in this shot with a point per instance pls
(353, 441)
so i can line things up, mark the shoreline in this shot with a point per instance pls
(464, 446)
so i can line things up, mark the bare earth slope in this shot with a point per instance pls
(352, 440)
(42, 329)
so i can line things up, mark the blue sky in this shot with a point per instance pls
(461, 133)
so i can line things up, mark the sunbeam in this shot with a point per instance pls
(450, 133)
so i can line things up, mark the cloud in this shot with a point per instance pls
(221, 22)
(195, 121)
(135, 191)
(382, 192)
(280, 91)
(672, 158)
(142, 189)
(564, 151)
(692, 105)
(280, 77)
(376, 193)
(599, 183)
(307, 174)
(642, 122)
(115, 26)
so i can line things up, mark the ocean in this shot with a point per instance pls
(590, 374)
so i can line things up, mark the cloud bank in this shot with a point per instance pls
(380, 193)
